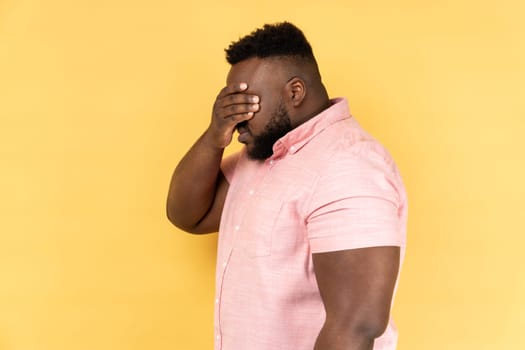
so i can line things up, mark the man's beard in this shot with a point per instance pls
(278, 126)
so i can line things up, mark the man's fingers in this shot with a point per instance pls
(238, 118)
(236, 109)
(231, 96)
(232, 89)
(232, 100)
(239, 99)
(232, 106)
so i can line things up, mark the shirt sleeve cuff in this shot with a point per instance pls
(329, 244)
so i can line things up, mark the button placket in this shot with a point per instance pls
(235, 230)
(218, 297)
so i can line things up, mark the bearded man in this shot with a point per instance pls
(311, 213)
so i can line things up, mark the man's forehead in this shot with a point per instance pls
(251, 71)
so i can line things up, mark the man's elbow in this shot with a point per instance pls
(367, 326)
(183, 224)
(370, 327)
(350, 333)
(177, 221)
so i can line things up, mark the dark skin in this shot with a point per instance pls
(356, 285)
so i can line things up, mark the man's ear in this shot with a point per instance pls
(295, 91)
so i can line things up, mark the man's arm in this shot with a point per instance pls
(356, 286)
(198, 188)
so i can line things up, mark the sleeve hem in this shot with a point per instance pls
(322, 245)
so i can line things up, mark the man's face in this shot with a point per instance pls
(272, 121)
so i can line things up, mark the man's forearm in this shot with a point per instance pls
(193, 184)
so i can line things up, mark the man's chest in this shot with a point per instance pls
(266, 207)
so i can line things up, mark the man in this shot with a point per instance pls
(311, 213)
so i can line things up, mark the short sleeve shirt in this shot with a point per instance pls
(328, 186)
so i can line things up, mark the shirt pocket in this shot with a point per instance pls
(257, 230)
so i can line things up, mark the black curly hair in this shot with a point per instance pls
(272, 40)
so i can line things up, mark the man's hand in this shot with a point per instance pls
(232, 106)
(198, 187)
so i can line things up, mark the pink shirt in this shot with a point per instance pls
(328, 186)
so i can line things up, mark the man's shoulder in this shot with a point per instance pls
(346, 142)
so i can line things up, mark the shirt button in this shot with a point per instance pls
(218, 337)
(292, 148)
(271, 162)
(237, 228)
(224, 264)
(251, 192)
(217, 301)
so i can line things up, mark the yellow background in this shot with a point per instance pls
(100, 99)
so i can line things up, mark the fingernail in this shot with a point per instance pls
(243, 86)
(255, 99)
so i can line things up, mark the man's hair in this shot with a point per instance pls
(272, 40)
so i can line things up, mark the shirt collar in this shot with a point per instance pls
(294, 140)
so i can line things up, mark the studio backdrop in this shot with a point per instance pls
(99, 100)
